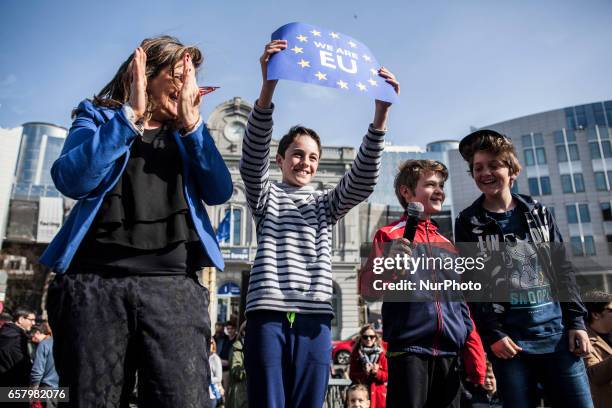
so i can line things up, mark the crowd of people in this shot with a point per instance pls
(26, 354)
(126, 299)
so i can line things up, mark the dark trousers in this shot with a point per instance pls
(419, 380)
(105, 327)
(287, 366)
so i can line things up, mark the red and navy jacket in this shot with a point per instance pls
(437, 328)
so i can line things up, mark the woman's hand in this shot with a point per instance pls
(382, 107)
(505, 348)
(189, 98)
(138, 83)
(268, 86)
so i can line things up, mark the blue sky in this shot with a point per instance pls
(461, 63)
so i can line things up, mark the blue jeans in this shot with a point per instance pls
(561, 374)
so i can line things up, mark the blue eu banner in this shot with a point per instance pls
(324, 57)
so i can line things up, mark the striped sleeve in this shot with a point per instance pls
(255, 160)
(359, 182)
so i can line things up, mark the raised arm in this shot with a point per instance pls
(359, 182)
(255, 160)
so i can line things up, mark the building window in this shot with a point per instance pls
(577, 249)
(566, 146)
(579, 182)
(545, 185)
(599, 142)
(589, 246)
(609, 239)
(600, 181)
(534, 187)
(561, 153)
(529, 159)
(539, 186)
(578, 213)
(576, 187)
(526, 139)
(606, 146)
(541, 155)
(572, 214)
(229, 232)
(583, 247)
(534, 151)
(606, 211)
(573, 152)
(595, 153)
(566, 183)
(583, 210)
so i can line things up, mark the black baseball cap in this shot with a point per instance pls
(473, 137)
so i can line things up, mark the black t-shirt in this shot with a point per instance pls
(144, 225)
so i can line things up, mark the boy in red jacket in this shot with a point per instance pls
(425, 338)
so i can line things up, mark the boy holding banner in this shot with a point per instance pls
(289, 311)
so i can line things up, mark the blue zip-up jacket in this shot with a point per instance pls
(93, 158)
(473, 225)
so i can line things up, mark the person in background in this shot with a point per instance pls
(15, 363)
(216, 376)
(485, 396)
(357, 396)
(237, 392)
(5, 318)
(43, 373)
(222, 343)
(368, 365)
(126, 297)
(37, 335)
(599, 360)
(232, 333)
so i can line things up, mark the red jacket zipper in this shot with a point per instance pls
(437, 303)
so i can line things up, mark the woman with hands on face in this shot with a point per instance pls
(368, 365)
(141, 164)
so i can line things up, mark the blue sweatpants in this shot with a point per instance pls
(287, 365)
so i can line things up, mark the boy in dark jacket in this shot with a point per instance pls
(425, 338)
(533, 338)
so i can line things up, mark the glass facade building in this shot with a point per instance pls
(41, 144)
(566, 156)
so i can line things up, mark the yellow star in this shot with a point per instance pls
(372, 82)
(301, 38)
(316, 33)
(303, 63)
(367, 58)
(297, 50)
(321, 76)
(352, 44)
(342, 84)
(374, 72)
(334, 35)
(361, 86)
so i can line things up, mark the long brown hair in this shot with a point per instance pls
(361, 332)
(163, 51)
